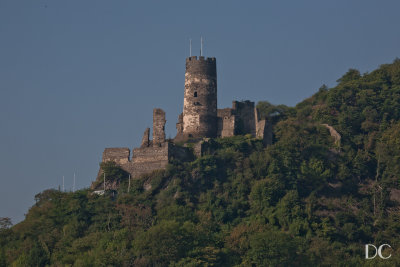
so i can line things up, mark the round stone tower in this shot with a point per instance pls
(200, 99)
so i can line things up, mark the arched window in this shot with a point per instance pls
(195, 94)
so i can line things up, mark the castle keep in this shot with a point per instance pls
(200, 119)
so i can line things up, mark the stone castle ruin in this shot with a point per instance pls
(200, 119)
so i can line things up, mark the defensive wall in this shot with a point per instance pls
(199, 120)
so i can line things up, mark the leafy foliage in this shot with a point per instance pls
(304, 200)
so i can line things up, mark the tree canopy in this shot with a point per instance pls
(304, 200)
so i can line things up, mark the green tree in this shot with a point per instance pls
(272, 248)
(165, 242)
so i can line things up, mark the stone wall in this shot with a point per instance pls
(146, 138)
(149, 154)
(155, 154)
(201, 147)
(145, 159)
(118, 154)
(148, 159)
(263, 129)
(158, 126)
(200, 119)
(245, 117)
(226, 122)
(240, 119)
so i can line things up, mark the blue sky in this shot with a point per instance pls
(79, 76)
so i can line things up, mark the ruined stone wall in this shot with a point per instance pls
(200, 119)
(260, 128)
(200, 98)
(146, 138)
(263, 129)
(226, 122)
(158, 127)
(118, 154)
(240, 119)
(145, 159)
(202, 146)
(149, 154)
(245, 117)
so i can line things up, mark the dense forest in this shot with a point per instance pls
(328, 185)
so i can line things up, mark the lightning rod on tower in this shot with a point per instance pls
(201, 46)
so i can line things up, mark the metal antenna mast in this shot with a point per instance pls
(190, 46)
(201, 46)
(63, 188)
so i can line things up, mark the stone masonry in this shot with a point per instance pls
(158, 127)
(152, 155)
(243, 118)
(146, 138)
(200, 120)
(200, 98)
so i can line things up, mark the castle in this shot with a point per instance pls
(200, 119)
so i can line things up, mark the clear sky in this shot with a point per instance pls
(79, 76)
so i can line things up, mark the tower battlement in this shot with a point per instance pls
(201, 58)
(200, 67)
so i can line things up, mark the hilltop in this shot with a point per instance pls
(326, 186)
